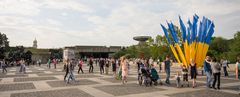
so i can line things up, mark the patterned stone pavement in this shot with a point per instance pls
(44, 82)
(33, 79)
(120, 90)
(16, 86)
(54, 93)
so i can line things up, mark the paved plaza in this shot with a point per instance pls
(44, 82)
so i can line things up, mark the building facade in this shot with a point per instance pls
(35, 43)
(93, 51)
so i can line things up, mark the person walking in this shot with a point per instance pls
(22, 67)
(216, 67)
(123, 65)
(55, 63)
(167, 64)
(138, 64)
(107, 66)
(4, 66)
(80, 64)
(208, 71)
(49, 63)
(238, 69)
(67, 63)
(128, 66)
(160, 65)
(70, 72)
(91, 65)
(224, 63)
(101, 64)
(39, 62)
(193, 68)
(114, 67)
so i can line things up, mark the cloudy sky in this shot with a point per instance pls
(59, 23)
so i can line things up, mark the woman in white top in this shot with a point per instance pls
(216, 68)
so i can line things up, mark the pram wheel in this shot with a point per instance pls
(155, 83)
(140, 81)
(147, 82)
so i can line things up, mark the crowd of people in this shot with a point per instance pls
(103, 63)
(21, 63)
(211, 66)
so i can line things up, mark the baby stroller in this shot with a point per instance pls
(154, 76)
(144, 77)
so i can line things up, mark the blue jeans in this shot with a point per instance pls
(209, 78)
(167, 76)
(225, 71)
(70, 76)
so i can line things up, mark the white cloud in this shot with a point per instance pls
(53, 22)
(19, 7)
(33, 7)
(126, 22)
(67, 4)
(14, 20)
(23, 20)
(64, 14)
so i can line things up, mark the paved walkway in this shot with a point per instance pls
(44, 82)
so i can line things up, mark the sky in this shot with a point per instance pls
(60, 23)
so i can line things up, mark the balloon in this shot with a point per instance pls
(195, 40)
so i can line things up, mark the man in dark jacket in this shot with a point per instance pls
(101, 64)
(208, 71)
(91, 65)
(167, 64)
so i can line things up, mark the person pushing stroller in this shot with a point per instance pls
(147, 75)
(155, 77)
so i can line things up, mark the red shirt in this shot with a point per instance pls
(80, 63)
(55, 61)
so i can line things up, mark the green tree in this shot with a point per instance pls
(4, 45)
(219, 47)
(56, 53)
(161, 40)
(234, 47)
(219, 44)
(28, 57)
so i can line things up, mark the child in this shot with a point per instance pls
(177, 77)
(185, 75)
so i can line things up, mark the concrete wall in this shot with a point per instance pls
(95, 49)
(43, 57)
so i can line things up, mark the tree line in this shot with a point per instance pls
(17, 53)
(157, 48)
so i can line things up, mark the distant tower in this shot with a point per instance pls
(35, 43)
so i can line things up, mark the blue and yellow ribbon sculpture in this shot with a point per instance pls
(195, 41)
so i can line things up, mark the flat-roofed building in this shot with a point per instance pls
(93, 51)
